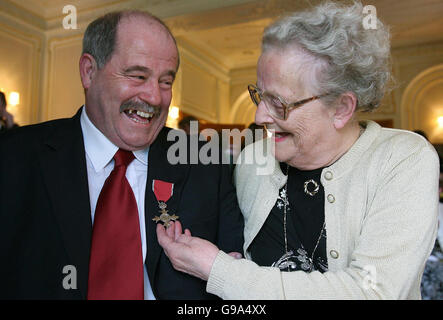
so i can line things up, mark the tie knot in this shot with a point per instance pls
(123, 158)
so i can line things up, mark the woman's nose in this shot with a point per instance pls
(262, 116)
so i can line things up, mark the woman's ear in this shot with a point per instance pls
(344, 109)
(88, 69)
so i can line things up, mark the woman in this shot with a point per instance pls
(350, 210)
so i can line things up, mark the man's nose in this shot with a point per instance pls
(151, 93)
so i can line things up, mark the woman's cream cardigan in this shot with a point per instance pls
(381, 209)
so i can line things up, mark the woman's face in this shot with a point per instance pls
(302, 139)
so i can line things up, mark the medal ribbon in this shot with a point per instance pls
(163, 190)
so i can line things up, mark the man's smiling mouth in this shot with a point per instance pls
(139, 112)
(139, 116)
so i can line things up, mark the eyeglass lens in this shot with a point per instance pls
(273, 104)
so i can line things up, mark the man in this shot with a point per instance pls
(6, 119)
(68, 230)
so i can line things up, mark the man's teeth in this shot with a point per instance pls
(142, 114)
(146, 115)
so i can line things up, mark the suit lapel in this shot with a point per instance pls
(63, 164)
(159, 168)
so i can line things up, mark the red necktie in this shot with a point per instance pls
(116, 263)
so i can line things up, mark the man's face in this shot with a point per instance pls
(128, 99)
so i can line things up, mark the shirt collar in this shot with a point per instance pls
(142, 155)
(99, 149)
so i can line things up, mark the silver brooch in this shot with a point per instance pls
(315, 188)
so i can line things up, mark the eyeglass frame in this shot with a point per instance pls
(286, 106)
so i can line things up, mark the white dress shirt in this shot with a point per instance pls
(99, 161)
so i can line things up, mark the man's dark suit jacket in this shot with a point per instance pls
(45, 215)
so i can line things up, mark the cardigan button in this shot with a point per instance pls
(334, 254)
(331, 198)
(328, 175)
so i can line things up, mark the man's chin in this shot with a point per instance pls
(133, 147)
(133, 143)
(138, 137)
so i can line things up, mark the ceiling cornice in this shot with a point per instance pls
(50, 18)
(8, 8)
(236, 14)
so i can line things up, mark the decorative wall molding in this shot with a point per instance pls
(54, 45)
(22, 15)
(200, 83)
(410, 61)
(49, 17)
(243, 110)
(243, 75)
(415, 93)
(234, 14)
(199, 92)
(206, 61)
(30, 98)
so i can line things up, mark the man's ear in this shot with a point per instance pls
(88, 69)
(344, 109)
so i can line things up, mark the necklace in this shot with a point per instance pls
(285, 204)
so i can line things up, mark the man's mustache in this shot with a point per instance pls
(139, 106)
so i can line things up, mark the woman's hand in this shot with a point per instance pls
(188, 254)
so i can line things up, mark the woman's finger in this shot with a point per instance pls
(161, 235)
(178, 229)
(170, 230)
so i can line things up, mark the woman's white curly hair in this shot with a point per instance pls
(348, 56)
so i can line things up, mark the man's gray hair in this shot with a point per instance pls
(348, 56)
(100, 35)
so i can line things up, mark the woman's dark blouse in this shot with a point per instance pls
(304, 222)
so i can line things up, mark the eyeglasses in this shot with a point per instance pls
(276, 106)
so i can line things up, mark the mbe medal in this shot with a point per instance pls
(163, 191)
